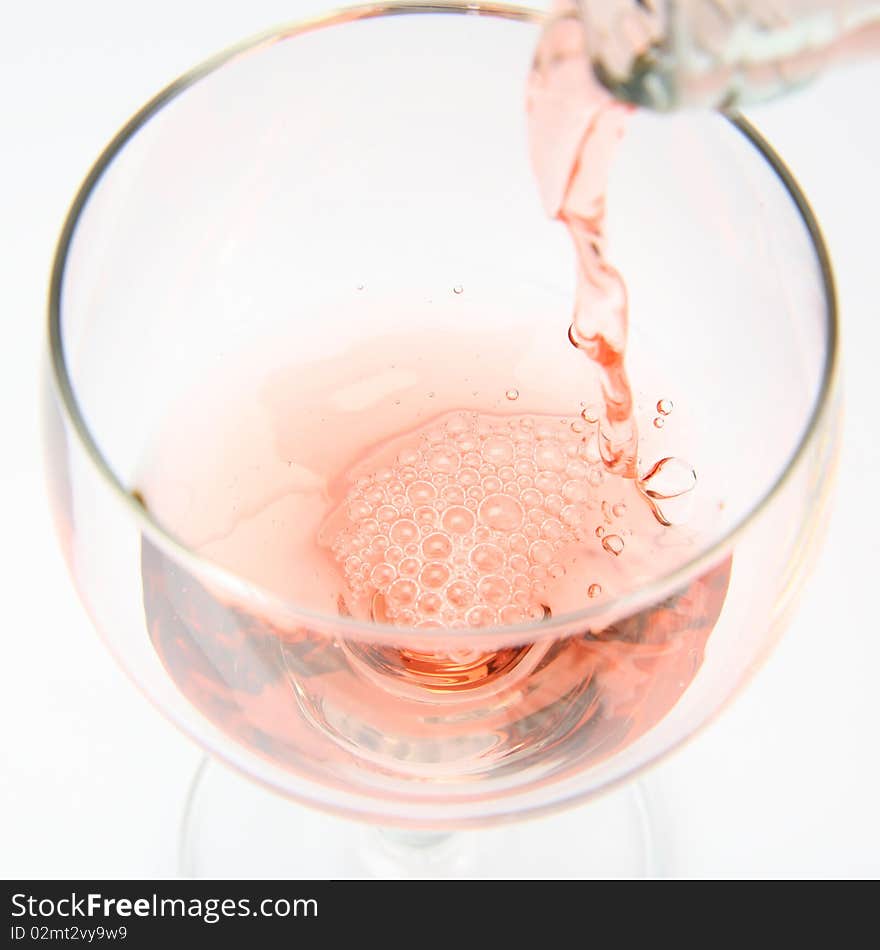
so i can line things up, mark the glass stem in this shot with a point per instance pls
(403, 854)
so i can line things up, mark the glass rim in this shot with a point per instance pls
(534, 630)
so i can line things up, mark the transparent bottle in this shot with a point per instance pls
(670, 54)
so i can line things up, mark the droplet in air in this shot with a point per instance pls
(458, 289)
(667, 488)
(360, 286)
(613, 544)
(659, 422)
(512, 394)
(664, 407)
(590, 415)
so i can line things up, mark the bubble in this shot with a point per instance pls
(518, 543)
(430, 603)
(667, 487)
(425, 516)
(460, 594)
(453, 494)
(518, 563)
(556, 571)
(404, 531)
(531, 498)
(458, 520)
(613, 544)
(538, 612)
(619, 510)
(594, 590)
(541, 552)
(491, 484)
(487, 558)
(548, 482)
(498, 450)
(664, 407)
(512, 394)
(444, 460)
(494, 590)
(574, 514)
(434, 574)
(419, 493)
(552, 530)
(402, 593)
(376, 495)
(600, 532)
(409, 566)
(358, 509)
(458, 289)
(382, 574)
(575, 491)
(393, 555)
(481, 616)
(553, 504)
(549, 456)
(468, 476)
(669, 478)
(501, 512)
(386, 514)
(436, 545)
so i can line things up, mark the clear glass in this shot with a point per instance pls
(250, 201)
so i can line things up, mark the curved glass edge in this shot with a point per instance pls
(348, 627)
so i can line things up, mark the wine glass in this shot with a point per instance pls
(325, 184)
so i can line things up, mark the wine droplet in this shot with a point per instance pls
(613, 544)
(664, 407)
(590, 415)
(667, 488)
(512, 394)
(659, 422)
(458, 289)
(594, 590)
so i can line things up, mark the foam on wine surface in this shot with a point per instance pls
(462, 522)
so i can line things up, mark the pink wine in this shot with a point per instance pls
(410, 483)
(470, 519)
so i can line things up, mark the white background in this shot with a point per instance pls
(92, 779)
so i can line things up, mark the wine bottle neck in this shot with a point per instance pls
(669, 54)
